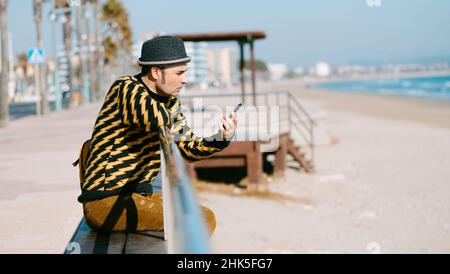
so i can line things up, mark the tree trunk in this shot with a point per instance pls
(83, 77)
(100, 56)
(44, 107)
(4, 78)
(95, 71)
(67, 37)
(89, 55)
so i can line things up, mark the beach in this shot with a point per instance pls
(383, 188)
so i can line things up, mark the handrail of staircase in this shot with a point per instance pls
(307, 139)
(297, 103)
(302, 121)
(310, 128)
(183, 222)
(292, 110)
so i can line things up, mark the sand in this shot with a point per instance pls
(384, 188)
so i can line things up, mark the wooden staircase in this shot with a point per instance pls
(296, 153)
(287, 147)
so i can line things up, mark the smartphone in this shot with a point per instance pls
(236, 109)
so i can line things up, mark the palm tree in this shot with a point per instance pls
(115, 15)
(42, 105)
(22, 65)
(117, 44)
(4, 111)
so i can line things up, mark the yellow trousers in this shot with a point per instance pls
(132, 212)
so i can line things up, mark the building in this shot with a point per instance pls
(322, 69)
(222, 67)
(198, 67)
(277, 71)
(299, 70)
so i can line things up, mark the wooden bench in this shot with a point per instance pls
(85, 241)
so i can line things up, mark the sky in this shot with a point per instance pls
(299, 32)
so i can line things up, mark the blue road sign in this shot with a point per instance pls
(36, 56)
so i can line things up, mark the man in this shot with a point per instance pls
(118, 186)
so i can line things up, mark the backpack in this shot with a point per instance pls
(82, 160)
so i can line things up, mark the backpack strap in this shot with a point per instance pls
(76, 162)
(82, 160)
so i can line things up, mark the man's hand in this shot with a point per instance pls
(228, 126)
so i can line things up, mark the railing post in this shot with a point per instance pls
(277, 99)
(309, 125)
(311, 132)
(289, 113)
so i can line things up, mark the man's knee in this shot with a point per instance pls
(210, 219)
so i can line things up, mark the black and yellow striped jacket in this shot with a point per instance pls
(125, 149)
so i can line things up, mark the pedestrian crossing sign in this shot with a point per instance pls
(36, 56)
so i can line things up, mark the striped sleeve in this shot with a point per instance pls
(192, 147)
(141, 110)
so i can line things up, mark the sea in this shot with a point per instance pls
(435, 87)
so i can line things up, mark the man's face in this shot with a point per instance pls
(172, 79)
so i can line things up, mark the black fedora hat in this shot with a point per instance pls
(163, 50)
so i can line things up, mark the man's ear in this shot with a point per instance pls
(155, 73)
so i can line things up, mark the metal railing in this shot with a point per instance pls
(184, 227)
(308, 125)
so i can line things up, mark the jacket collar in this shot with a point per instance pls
(154, 95)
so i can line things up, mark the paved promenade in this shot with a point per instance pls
(38, 205)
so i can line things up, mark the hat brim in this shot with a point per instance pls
(182, 60)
